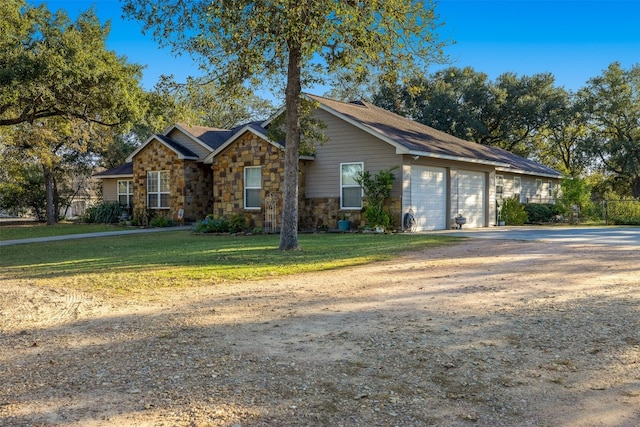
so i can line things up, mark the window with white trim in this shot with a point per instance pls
(158, 189)
(350, 190)
(252, 187)
(499, 186)
(125, 193)
(517, 186)
(550, 189)
(538, 187)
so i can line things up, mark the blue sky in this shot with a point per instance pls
(574, 40)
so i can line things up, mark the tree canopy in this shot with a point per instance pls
(507, 113)
(300, 43)
(51, 66)
(612, 106)
(59, 87)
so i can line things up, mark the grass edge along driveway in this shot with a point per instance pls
(131, 264)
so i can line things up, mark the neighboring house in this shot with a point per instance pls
(195, 171)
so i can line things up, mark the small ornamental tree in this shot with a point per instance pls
(377, 189)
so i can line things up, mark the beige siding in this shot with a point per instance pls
(189, 143)
(110, 189)
(528, 192)
(347, 144)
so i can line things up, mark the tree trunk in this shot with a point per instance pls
(289, 229)
(52, 217)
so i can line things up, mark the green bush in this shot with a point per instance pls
(104, 213)
(539, 213)
(143, 217)
(623, 212)
(162, 221)
(237, 223)
(211, 225)
(513, 212)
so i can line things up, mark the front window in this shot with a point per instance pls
(499, 186)
(252, 187)
(125, 193)
(158, 189)
(517, 186)
(538, 187)
(350, 190)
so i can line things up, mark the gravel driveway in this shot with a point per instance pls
(500, 333)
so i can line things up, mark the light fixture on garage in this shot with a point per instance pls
(415, 157)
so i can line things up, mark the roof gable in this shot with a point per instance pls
(182, 152)
(254, 128)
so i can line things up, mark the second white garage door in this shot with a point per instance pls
(471, 202)
(429, 197)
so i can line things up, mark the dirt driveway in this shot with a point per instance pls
(478, 334)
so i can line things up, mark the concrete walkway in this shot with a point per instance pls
(90, 235)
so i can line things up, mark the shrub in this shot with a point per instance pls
(377, 188)
(162, 221)
(513, 212)
(539, 213)
(237, 223)
(104, 213)
(623, 212)
(211, 225)
(143, 217)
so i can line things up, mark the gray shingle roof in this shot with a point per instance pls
(418, 138)
(212, 137)
(122, 170)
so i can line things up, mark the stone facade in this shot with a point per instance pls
(190, 183)
(228, 178)
(318, 213)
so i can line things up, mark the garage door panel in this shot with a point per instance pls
(428, 197)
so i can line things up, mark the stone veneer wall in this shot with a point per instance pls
(228, 177)
(320, 212)
(190, 182)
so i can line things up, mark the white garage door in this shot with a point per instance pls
(471, 203)
(429, 197)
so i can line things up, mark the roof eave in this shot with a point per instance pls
(455, 158)
(113, 176)
(526, 172)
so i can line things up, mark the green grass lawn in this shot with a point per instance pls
(31, 230)
(134, 263)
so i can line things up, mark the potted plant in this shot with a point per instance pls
(343, 223)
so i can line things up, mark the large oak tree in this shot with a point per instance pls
(58, 82)
(300, 42)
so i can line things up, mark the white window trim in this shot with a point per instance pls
(159, 192)
(129, 192)
(246, 187)
(342, 186)
(499, 183)
(517, 187)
